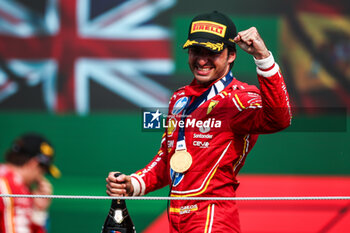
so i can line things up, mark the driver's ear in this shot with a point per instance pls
(231, 56)
(33, 162)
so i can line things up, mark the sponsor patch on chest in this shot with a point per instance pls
(201, 144)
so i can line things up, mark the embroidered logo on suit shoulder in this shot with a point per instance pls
(179, 105)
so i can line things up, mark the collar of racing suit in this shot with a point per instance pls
(195, 89)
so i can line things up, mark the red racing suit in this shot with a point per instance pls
(17, 214)
(235, 115)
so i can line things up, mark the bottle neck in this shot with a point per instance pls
(118, 204)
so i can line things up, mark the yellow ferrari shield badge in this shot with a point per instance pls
(212, 104)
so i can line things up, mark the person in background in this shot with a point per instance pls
(27, 161)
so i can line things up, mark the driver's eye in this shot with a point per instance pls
(196, 50)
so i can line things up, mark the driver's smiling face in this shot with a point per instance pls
(208, 66)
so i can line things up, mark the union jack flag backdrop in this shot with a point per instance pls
(84, 55)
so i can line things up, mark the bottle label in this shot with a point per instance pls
(118, 216)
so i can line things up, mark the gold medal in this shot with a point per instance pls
(181, 161)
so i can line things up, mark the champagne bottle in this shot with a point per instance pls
(118, 219)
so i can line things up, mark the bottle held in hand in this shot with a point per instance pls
(118, 219)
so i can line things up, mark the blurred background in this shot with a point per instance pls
(80, 71)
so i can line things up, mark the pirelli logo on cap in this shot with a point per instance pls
(209, 27)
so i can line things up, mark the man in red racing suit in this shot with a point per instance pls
(218, 134)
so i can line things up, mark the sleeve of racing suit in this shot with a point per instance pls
(6, 209)
(7, 215)
(154, 175)
(39, 218)
(267, 111)
(3, 212)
